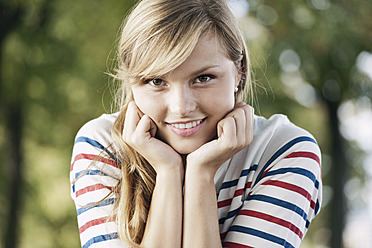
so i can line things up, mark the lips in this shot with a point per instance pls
(187, 125)
(186, 128)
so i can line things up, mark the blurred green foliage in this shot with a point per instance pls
(53, 64)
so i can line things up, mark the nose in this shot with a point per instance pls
(181, 101)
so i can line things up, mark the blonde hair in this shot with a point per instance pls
(157, 37)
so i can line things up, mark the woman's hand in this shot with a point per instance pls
(200, 220)
(164, 220)
(139, 132)
(234, 131)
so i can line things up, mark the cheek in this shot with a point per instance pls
(147, 103)
(220, 102)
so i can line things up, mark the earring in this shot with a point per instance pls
(236, 89)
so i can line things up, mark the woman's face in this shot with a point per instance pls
(187, 103)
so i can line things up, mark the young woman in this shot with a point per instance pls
(186, 163)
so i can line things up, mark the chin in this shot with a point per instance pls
(185, 149)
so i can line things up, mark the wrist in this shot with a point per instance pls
(171, 172)
(199, 172)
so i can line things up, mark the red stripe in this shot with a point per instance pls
(237, 192)
(223, 235)
(92, 223)
(290, 187)
(91, 188)
(224, 203)
(298, 155)
(293, 188)
(264, 173)
(304, 155)
(235, 245)
(272, 219)
(93, 157)
(312, 204)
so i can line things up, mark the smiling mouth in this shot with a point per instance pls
(187, 128)
(187, 125)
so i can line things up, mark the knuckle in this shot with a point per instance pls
(242, 145)
(135, 140)
(240, 111)
(124, 136)
(129, 139)
(231, 145)
(250, 138)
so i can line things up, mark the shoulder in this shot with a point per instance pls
(277, 125)
(93, 149)
(277, 139)
(284, 147)
(98, 130)
(282, 183)
(278, 132)
(94, 175)
(274, 139)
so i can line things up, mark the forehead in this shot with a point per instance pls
(161, 61)
(209, 44)
(207, 54)
(208, 49)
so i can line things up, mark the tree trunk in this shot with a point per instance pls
(11, 113)
(338, 177)
(14, 163)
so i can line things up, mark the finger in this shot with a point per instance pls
(240, 104)
(237, 106)
(146, 127)
(249, 120)
(244, 128)
(239, 115)
(227, 129)
(132, 117)
(249, 123)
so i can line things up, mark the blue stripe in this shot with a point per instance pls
(254, 167)
(317, 206)
(100, 238)
(229, 215)
(89, 172)
(280, 203)
(262, 235)
(281, 151)
(101, 204)
(229, 184)
(97, 145)
(244, 173)
(89, 141)
(299, 171)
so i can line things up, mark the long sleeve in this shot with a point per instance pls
(271, 200)
(93, 174)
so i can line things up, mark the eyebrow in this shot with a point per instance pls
(205, 68)
(195, 73)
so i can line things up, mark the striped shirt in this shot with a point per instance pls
(267, 194)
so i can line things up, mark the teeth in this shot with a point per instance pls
(186, 125)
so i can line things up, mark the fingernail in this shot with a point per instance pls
(240, 104)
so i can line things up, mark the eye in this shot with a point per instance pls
(204, 78)
(154, 82)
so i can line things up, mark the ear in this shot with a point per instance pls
(238, 76)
